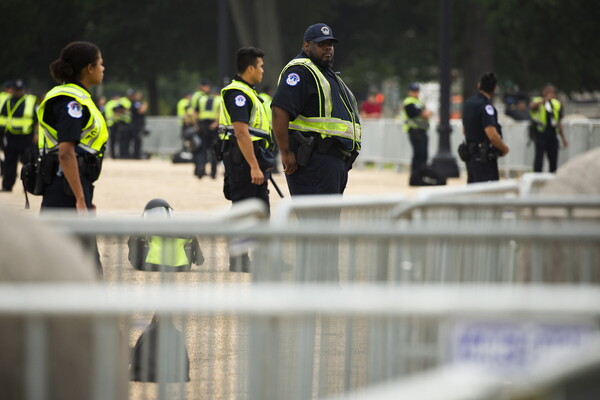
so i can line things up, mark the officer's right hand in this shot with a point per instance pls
(257, 176)
(505, 152)
(288, 159)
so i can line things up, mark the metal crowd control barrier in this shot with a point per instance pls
(336, 208)
(252, 342)
(385, 142)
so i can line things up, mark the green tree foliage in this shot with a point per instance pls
(165, 46)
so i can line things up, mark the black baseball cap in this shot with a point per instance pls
(17, 84)
(414, 86)
(318, 33)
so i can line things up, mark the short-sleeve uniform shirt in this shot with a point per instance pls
(478, 114)
(298, 94)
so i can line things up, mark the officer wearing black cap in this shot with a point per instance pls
(18, 121)
(483, 133)
(315, 118)
(416, 123)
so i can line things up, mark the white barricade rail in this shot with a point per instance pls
(532, 182)
(511, 240)
(271, 342)
(505, 187)
(385, 142)
(345, 209)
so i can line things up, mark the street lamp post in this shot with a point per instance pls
(444, 162)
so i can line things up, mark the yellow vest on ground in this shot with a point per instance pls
(168, 252)
(95, 132)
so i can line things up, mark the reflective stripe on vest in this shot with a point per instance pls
(416, 122)
(259, 125)
(4, 96)
(94, 133)
(169, 252)
(204, 112)
(540, 116)
(325, 124)
(23, 124)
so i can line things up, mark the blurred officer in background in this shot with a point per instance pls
(124, 125)
(244, 126)
(18, 122)
(416, 123)
(546, 114)
(207, 115)
(110, 115)
(315, 118)
(184, 111)
(483, 133)
(4, 95)
(138, 123)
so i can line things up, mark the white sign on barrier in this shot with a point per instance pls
(513, 347)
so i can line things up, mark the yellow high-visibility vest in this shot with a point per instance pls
(95, 132)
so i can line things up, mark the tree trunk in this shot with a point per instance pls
(152, 95)
(479, 54)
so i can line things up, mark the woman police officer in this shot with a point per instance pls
(74, 132)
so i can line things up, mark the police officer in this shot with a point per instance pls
(74, 131)
(110, 113)
(416, 123)
(483, 133)
(315, 118)
(546, 114)
(19, 124)
(244, 126)
(207, 113)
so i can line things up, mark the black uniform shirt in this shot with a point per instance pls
(478, 114)
(238, 104)
(412, 110)
(297, 93)
(67, 116)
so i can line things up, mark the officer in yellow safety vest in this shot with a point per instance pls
(73, 131)
(546, 114)
(168, 254)
(124, 126)
(315, 119)
(110, 114)
(245, 129)
(18, 122)
(208, 121)
(416, 123)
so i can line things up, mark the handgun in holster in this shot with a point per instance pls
(304, 149)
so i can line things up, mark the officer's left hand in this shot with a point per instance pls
(565, 143)
(257, 176)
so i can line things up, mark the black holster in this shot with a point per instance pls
(304, 148)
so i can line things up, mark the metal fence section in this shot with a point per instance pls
(271, 342)
(385, 142)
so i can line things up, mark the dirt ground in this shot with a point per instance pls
(125, 186)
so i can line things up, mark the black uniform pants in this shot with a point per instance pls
(205, 153)
(239, 181)
(482, 172)
(18, 147)
(324, 174)
(419, 142)
(56, 196)
(546, 143)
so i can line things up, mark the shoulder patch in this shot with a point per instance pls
(240, 100)
(489, 109)
(292, 79)
(74, 109)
